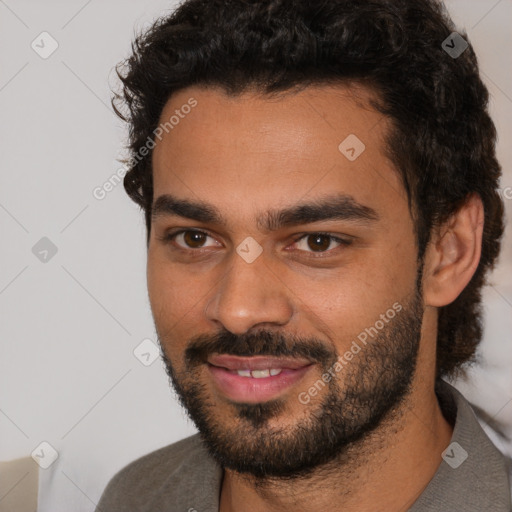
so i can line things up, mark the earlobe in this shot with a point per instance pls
(453, 255)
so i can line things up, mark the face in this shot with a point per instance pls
(282, 274)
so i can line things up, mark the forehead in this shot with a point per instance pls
(250, 149)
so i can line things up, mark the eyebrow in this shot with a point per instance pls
(333, 207)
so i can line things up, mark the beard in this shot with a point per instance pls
(375, 384)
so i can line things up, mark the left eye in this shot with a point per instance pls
(192, 239)
(319, 242)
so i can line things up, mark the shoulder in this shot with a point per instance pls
(480, 481)
(151, 475)
(167, 458)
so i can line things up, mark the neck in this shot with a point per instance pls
(387, 470)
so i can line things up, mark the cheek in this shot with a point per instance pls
(172, 294)
(389, 280)
(339, 308)
(172, 304)
(344, 304)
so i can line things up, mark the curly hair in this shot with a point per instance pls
(442, 141)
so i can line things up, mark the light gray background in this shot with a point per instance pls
(69, 326)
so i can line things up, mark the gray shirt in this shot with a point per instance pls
(182, 477)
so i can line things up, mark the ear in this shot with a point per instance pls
(453, 254)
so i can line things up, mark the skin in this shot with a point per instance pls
(250, 154)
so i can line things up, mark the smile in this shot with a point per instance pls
(255, 379)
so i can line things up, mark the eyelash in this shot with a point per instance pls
(169, 237)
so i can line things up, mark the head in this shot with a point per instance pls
(267, 128)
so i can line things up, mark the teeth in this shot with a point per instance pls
(259, 374)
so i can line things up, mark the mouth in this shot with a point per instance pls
(256, 379)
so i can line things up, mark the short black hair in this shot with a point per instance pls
(442, 140)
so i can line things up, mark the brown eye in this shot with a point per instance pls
(189, 239)
(319, 242)
(194, 239)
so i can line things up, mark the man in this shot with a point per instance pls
(319, 184)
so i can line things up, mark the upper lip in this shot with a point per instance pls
(257, 362)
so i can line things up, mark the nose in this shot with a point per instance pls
(249, 295)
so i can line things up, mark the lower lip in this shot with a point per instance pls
(252, 390)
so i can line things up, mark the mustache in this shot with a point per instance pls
(262, 343)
